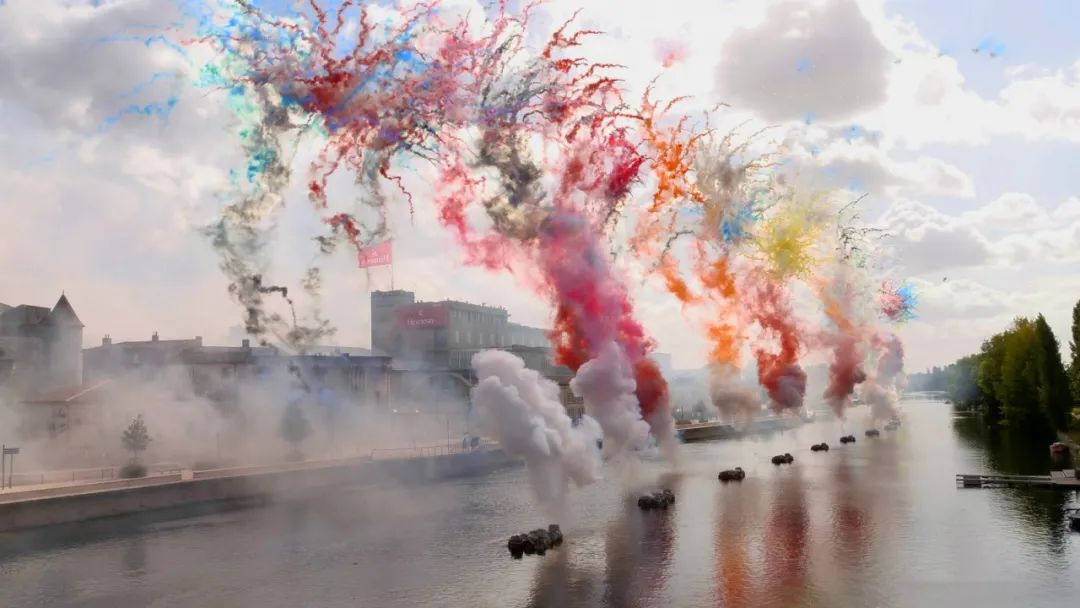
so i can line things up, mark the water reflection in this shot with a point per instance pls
(785, 544)
(878, 523)
(734, 574)
(639, 550)
(559, 583)
(762, 561)
(1015, 453)
(850, 514)
(133, 559)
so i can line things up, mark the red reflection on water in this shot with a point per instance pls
(733, 570)
(786, 537)
(640, 547)
(850, 517)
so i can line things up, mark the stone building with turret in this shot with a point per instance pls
(40, 348)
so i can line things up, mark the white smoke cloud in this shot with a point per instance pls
(606, 384)
(522, 410)
(735, 401)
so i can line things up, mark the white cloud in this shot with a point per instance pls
(805, 60)
(927, 240)
(1049, 246)
(943, 299)
(928, 99)
(1068, 210)
(1010, 211)
(867, 167)
(1031, 233)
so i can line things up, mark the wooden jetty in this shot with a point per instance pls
(1065, 480)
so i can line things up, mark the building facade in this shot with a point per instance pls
(40, 349)
(432, 344)
(445, 334)
(217, 373)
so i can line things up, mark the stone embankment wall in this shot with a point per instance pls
(121, 497)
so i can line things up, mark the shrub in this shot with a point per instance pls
(132, 471)
(136, 438)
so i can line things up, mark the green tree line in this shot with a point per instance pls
(1017, 379)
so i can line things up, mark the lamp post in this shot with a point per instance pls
(8, 465)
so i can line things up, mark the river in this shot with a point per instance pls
(876, 523)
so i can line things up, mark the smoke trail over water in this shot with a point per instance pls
(521, 409)
(881, 389)
(845, 339)
(606, 384)
(779, 371)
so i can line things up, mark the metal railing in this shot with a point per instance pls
(420, 451)
(85, 475)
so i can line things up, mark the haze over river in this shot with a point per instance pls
(876, 523)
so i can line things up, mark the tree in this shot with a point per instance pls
(1074, 348)
(295, 427)
(136, 439)
(962, 386)
(1019, 377)
(988, 375)
(1055, 397)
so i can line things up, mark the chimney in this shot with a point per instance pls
(154, 338)
(198, 341)
(245, 343)
(106, 341)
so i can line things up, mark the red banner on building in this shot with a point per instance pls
(423, 315)
(379, 254)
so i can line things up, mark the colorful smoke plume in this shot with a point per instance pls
(532, 156)
(897, 303)
(881, 389)
(534, 138)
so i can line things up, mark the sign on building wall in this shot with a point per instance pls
(423, 315)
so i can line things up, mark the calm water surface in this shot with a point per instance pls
(878, 523)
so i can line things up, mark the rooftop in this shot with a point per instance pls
(64, 313)
(17, 319)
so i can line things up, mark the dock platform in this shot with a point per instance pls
(1065, 480)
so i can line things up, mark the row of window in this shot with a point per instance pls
(479, 338)
(469, 337)
(474, 316)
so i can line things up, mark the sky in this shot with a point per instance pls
(960, 121)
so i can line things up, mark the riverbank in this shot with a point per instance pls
(48, 506)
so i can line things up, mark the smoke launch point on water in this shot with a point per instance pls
(881, 390)
(606, 385)
(734, 401)
(521, 409)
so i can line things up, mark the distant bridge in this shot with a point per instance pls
(925, 395)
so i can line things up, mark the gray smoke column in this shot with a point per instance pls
(522, 410)
(606, 384)
(881, 390)
(734, 401)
